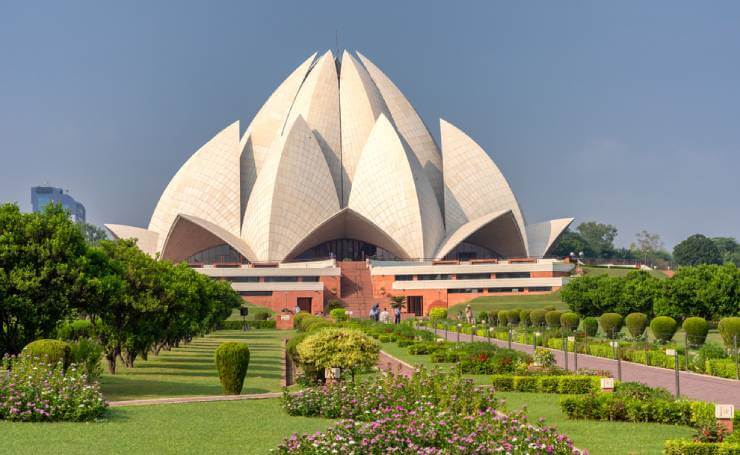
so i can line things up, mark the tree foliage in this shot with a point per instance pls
(595, 295)
(348, 349)
(695, 250)
(599, 236)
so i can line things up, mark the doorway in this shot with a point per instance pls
(304, 303)
(415, 304)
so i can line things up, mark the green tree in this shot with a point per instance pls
(571, 242)
(695, 250)
(708, 291)
(40, 256)
(600, 237)
(729, 249)
(93, 234)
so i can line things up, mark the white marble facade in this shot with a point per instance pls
(336, 146)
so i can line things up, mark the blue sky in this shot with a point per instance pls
(621, 112)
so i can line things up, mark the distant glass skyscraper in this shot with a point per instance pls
(41, 196)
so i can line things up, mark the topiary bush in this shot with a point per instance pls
(437, 313)
(71, 331)
(591, 326)
(482, 316)
(524, 318)
(552, 318)
(262, 316)
(300, 318)
(493, 317)
(232, 362)
(611, 324)
(729, 328)
(636, 324)
(50, 351)
(537, 317)
(696, 329)
(663, 328)
(569, 321)
(339, 314)
(512, 317)
(348, 349)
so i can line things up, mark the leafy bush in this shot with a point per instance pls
(232, 362)
(315, 324)
(565, 384)
(569, 321)
(49, 351)
(493, 317)
(543, 357)
(696, 329)
(663, 328)
(552, 318)
(32, 390)
(503, 317)
(348, 349)
(724, 368)
(640, 391)
(437, 313)
(636, 324)
(512, 317)
(610, 406)
(71, 331)
(300, 318)
(591, 326)
(729, 328)
(537, 317)
(86, 354)
(506, 360)
(261, 316)
(708, 351)
(524, 317)
(339, 314)
(482, 316)
(334, 303)
(686, 447)
(611, 324)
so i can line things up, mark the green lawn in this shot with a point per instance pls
(190, 369)
(243, 427)
(509, 302)
(607, 438)
(598, 437)
(253, 309)
(618, 271)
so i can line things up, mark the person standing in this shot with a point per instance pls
(468, 314)
(385, 317)
(397, 315)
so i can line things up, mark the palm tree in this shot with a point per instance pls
(397, 301)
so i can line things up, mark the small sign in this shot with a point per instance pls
(572, 339)
(724, 411)
(670, 352)
(285, 317)
(614, 344)
(538, 334)
(607, 383)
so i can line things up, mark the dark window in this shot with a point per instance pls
(473, 276)
(242, 279)
(503, 289)
(281, 279)
(439, 276)
(513, 275)
(255, 293)
(404, 277)
(415, 304)
(465, 291)
(540, 289)
(306, 279)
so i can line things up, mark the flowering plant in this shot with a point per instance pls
(33, 391)
(543, 357)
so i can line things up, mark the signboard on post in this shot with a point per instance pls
(607, 384)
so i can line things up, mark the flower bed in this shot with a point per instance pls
(34, 391)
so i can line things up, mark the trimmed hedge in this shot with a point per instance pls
(611, 324)
(537, 317)
(636, 324)
(482, 316)
(73, 331)
(512, 317)
(569, 320)
(261, 316)
(51, 351)
(524, 317)
(339, 314)
(609, 406)
(686, 447)
(591, 326)
(696, 330)
(237, 325)
(437, 313)
(552, 318)
(232, 362)
(729, 328)
(565, 384)
(663, 327)
(724, 368)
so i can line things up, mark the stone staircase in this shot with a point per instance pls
(357, 288)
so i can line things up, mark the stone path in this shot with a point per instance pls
(691, 385)
(199, 399)
(389, 363)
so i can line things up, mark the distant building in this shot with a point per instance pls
(41, 196)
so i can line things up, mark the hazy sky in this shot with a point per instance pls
(621, 112)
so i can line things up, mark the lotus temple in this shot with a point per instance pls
(337, 190)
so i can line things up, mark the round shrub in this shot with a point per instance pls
(503, 317)
(524, 317)
(611, 324)
(729, 328)
(663, 328)
(696, 329)
(493, 317)
(512, 317)
(348, 349)
(86, 353)
(339, 314)
(636, 324)
(537, 317)
(262, 316)
(549, 308)
(569, 321)
(49, 351)
(232, 361)
(591, 326)
(71, 331)
(300, 318)
(315, 324)
(482, 316)
(552, 318)
(437, 313)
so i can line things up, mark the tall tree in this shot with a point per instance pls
(600, 237)
(729, 249)
(571, 242)
(695, 250)
(93, 234)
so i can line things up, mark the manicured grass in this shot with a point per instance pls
(190, 369)
(509, 302)
(608, 438)
(238, 427)
(618, 271)
(253, 309)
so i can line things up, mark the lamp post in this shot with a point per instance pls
(534, 340)
(565, 352)
(488, 332)
(575, 353)
(615, 346)
(459, 329)
(669, 353)
(509, 337)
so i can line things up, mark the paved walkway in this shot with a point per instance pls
(692, 385)
(389, 363)
(199, 399)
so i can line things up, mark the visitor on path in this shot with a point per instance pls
(297, 309)
(385, 316)
(468, 314)
(375, 312)
(397, 315)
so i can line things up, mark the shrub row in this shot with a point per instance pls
(685, 447)
(545, 384)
